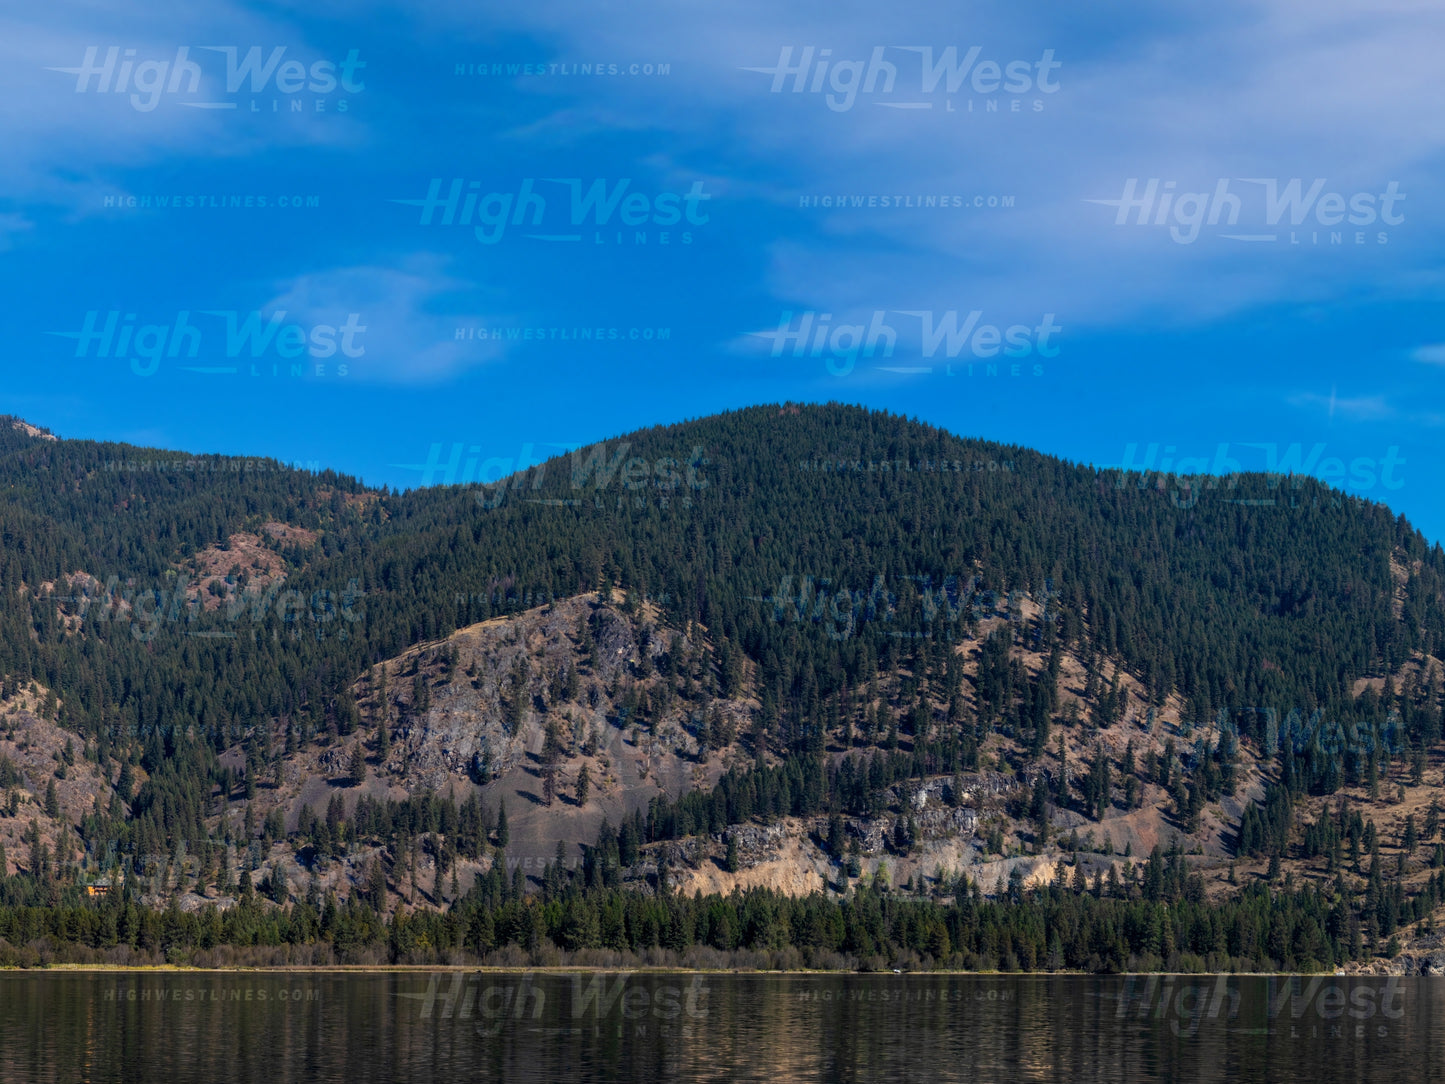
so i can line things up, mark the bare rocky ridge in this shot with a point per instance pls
(32, 431)
(33, 756)
(608, 685)
(460, 741)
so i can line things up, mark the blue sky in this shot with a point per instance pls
(1282, 295)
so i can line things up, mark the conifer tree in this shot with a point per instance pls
(584, 782)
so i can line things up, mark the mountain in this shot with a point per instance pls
(792, 649)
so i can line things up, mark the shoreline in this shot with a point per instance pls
(553, 969)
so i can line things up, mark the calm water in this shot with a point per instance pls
(650, 1027)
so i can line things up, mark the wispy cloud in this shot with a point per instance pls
(1362, 408)
(410, 334)
(1238, 90)
(61, 142)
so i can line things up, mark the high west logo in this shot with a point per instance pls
(1292, 462)
(1286, 212)
(618, 1004)
(840, 610)
(115, 334)
(641, 477)
(1319, 1010)
(967, 82)
(258, 81)
(463, 469)
(597, 211)
(813, 334)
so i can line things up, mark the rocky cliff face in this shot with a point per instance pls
(571, 680)
(517, 709)
(36, 755)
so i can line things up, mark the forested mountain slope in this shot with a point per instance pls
(785, 646)
(1233, 604)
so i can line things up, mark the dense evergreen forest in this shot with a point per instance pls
(1156, 919)
(820, 546)
(1236, 605)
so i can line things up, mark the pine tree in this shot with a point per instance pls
(584, 782)
(376, 885)
(1039, 807)
(125, 784)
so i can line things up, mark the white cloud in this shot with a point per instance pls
(409, 336)
(62, 146)
(1280, 88)
(1265, 88)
